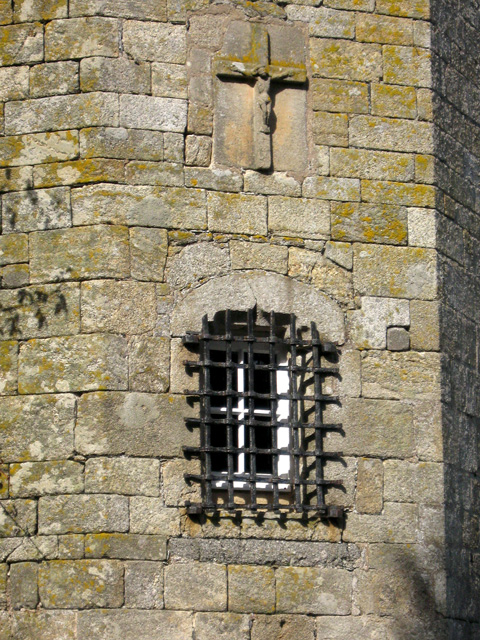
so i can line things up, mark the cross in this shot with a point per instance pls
(247, 54)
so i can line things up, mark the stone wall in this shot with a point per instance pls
(119, 229)
(457, 120)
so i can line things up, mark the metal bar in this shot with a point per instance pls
(318, 418)
(207, 461)
(273, 412)
(260, 396)
(198, 422)
(231, 463)
(251, 409)
(294, 410)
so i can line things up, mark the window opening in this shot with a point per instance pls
(261, 414)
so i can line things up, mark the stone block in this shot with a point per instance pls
(30, 479)
(398, 524)
(382, 593)
(53, 78)
(114, 74)
(16, 179)
(196, 262)
(155, 625)
(23, 590)
(14, 276)
(66, 112)
(149, 364)
(82, 584)
(36, 427)
(135, 424)
(385, 224)
(330, 129)
(333, 280)
(35, 148)
(314, 591)
(392, 134)
(155, 173)
(140, 206)
(251, 589)
(6, 12)
(222, 626)
(169, 80)
(176, 489)
(144, 585)
(409, 482)
(215, 179)
(73, 363)
(71, 546)
(358, 627)
(401, 375)
(282, 627)
(276, 183)
(371, 165)
(151, 112)
(32, 548)
(142, 9)
(99, 38)
(78, 172)
(3, 586)
(21, 43)
(424, 325)
(194, 585)
(41, 625)
(125, 476)
(407, 9)
(4, 481)
(80, 253)
(389, 100)
(200, 119)
(411, 272)
(322, 157)
(398, 339)
(298, 217)
(328, 188)
(382, 428)
(13, 83)
(369, 324)
(198, 151)
(125, 144)
(18, 518)
(422, 227)
(179, 10)
(40, 311)
(383, 29)
(370, 482)
(425, 169)
(82, 514)
(118, 307)
(37, 209)
(252, 255)
(410, 195)
(149, 516)
(125, 546)
(8, 367)
(27, 11)
(324, 22)
(156, 42)
(358, 5)
(346, 60)
(407, 65)
(425, 104)
(246, 214)
(341, 96)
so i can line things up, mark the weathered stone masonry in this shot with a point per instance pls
(127, 213)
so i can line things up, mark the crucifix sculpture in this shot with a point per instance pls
(266, 111)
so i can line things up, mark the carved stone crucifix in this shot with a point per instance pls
(260, 56)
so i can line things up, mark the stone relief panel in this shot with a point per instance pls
(258, 96)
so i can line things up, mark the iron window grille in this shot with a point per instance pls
(261, 422)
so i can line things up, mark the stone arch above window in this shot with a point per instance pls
(267, 291)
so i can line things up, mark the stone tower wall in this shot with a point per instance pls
(120, 229)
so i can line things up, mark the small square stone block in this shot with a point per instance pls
(398, 339)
